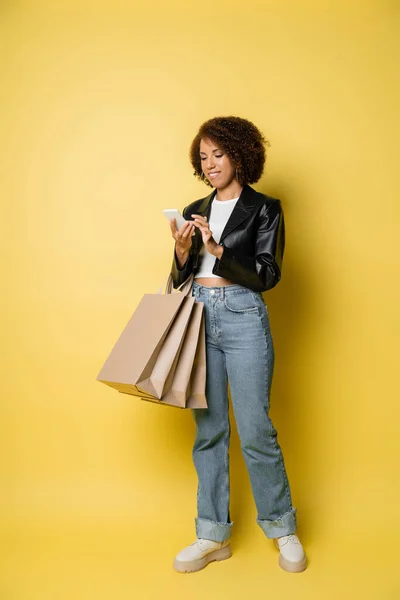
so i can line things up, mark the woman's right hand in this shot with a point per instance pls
(183, 236)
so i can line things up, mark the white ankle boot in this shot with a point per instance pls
(292, 557)
(199, 554)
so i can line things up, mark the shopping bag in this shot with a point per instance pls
(160, 355)
(184, 382)
(195, 335)
(197, 398)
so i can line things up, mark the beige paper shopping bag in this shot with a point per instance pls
(135, 353)
(188, 374)
(197, 397)
(156, 355)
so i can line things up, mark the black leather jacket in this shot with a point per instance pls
(253, 241)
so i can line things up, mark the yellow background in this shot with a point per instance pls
(99, 103)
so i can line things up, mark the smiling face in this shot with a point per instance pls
(216, 164)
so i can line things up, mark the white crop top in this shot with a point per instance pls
(220, 212)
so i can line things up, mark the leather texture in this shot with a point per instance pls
(253, 241)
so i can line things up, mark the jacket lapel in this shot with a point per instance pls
(243, 208)
(205, 207)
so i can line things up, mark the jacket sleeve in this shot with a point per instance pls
(262, 271)
(180, 274)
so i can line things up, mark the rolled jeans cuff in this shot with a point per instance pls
(212, 530)
(285, 525)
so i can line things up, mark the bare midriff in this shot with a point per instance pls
(213, 281)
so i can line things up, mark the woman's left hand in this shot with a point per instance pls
(211, 245)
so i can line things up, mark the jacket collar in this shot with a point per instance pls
(242, 210)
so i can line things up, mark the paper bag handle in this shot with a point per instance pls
(185, 287)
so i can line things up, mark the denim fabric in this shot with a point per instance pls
(239, 350)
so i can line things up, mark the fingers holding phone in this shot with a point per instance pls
(182, 236)
(181, 229)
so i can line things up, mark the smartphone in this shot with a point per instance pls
(173, 213)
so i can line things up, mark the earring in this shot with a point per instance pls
(237, 177)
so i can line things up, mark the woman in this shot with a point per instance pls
(233, 243)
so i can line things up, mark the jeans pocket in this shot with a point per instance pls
(259, 300)
(241, 303)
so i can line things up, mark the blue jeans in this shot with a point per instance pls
(239, 350)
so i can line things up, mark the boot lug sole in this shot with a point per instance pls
(196, 565)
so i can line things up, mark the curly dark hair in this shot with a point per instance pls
(242, 141)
